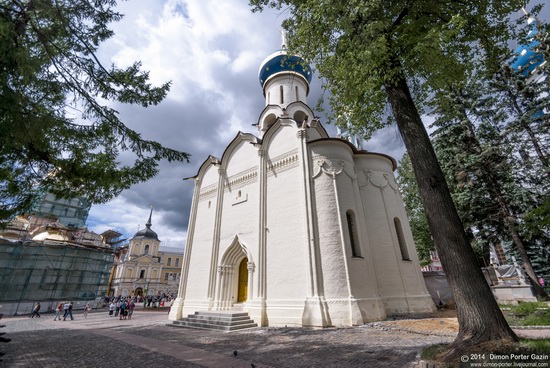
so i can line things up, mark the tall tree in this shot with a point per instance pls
(58, 131)
(477, 159)
(369, 53)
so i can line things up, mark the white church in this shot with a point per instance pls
(297, 228)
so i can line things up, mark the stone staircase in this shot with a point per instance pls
(216, 320)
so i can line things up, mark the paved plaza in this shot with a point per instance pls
(147, 341)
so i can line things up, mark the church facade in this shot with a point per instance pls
(295, 227)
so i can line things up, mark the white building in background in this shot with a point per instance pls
(298, 228)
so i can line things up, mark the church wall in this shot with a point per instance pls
(210, 177)
(336, 157)
(281, 140)
(287, 262)
(199, 266)
(396, 277)
(328, 159)
(243, 158)
(371, 171)
(240, 217)
(330, 243)
(413, 282)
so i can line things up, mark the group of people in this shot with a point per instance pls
(66, 308)
(122, 308)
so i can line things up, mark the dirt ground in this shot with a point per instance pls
(440, 322)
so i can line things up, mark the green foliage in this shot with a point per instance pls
(58, 131)
(415, 211)
(529, 314)
(527, 308)
(538, 345)
(491, 145)
(359, 46)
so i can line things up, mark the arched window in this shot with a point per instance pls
(282, 97)
(297, 96)
(401, 240)
(146, 248)
(352, 230)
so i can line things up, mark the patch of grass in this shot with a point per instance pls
(528, 314)
(527, 308)
(538, 345)
(535, 320)
(435, 354)
(431, 351)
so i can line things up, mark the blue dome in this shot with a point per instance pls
(526, 59)
(279, 62)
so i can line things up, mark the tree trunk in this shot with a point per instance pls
(479, 316)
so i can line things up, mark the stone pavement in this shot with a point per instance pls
(102, 341)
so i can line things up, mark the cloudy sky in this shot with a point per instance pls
(211, 51)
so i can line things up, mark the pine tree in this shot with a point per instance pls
(469, 141)
(58, 131)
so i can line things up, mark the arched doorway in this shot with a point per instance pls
(138, 291)
(242, 292)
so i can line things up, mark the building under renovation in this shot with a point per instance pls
(42, 260)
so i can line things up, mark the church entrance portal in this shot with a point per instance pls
(234, 278)
(243, 281)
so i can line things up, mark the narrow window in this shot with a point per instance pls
(352, 230)
(401, 240)
(282, 98)
(239, 195)
(177, 262)
(166, 276)
(297, 96)
(146, 248)
(169, 261)
(268, 98)
(209, 203)
(142, 274)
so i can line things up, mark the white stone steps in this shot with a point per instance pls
(225, 321)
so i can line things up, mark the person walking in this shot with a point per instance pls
(65, 310)
(117, 307)
(35, 310)
(111, 309)
(122, 309)
(131, 307)
(87, 308)
(58, 312)
(69, 312)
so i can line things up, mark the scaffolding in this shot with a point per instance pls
(50, 272)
